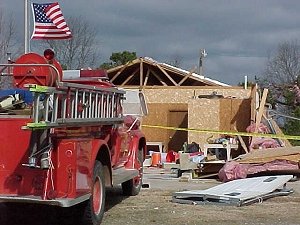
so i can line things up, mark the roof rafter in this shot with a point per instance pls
(158, 77)
(186, 76)
(147, 77)
(123, 67)
(168, 76)
(141, 73)
(130, 77)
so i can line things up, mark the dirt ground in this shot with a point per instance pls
(154, 206)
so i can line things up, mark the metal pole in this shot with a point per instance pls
(246, 82)
(201, 64)
(26, 28)
(202, 56)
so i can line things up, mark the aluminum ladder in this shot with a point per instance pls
(74, 105)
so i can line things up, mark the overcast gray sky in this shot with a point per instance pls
(238, 35)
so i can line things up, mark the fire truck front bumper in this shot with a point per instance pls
(61, 202)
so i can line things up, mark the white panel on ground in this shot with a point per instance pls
(237, 192)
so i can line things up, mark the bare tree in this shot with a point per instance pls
(282, 78)
(7, 36)
(284, 67)
(8, 44)
(81, 50)
(282, 75)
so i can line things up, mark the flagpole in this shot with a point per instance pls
(26, 28)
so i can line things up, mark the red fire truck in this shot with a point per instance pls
(65, 139)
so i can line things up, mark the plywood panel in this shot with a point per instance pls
(177, 138)
(241, 117)
(225, 114)
(203, 115)
(263, 155)
(241, 114)
(158, 115)
(185, 95)
(234, 114)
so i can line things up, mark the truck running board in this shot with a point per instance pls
(122, 174)
(62, 202)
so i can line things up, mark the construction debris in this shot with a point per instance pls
(222, 155)
(284, 160)
(237, 192)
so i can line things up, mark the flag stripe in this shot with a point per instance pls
(52, 31)
(52, 38)
(54, 14)
(51, 35)
(54, 7)
(60, 22)
(57, 18)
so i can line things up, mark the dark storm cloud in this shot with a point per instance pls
(238, 35)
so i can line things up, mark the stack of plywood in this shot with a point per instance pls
(271, 154)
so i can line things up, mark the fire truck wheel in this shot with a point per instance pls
(94, 209)
(132, 187)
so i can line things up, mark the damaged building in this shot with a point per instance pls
(183, 99)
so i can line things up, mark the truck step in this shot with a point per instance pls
(122, 174)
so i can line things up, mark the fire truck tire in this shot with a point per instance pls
(94, 209)
(132, 187)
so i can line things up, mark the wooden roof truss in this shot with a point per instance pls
(147, 72)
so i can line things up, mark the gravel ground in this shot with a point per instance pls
(154, 206)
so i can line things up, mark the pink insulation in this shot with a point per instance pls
(233, 170)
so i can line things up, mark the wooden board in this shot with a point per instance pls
(271, 154)
(253, 102)
(279, 131)
(243, 144)
(261, 109)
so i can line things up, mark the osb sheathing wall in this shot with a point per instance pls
(217, 114)
(185, 94)
(203, 113)
(158, 115)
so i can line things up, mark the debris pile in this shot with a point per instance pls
(261, 142)
(284, 160)
(231, 157)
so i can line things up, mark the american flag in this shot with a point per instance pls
(49, 22)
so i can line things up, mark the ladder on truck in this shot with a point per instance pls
(74, 105)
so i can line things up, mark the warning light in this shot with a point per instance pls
(49, 54)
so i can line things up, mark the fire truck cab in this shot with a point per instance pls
(65, 137)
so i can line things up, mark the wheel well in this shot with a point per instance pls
(104, 157)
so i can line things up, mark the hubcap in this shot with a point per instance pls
(97, 195)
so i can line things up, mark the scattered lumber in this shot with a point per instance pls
(271, 154)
